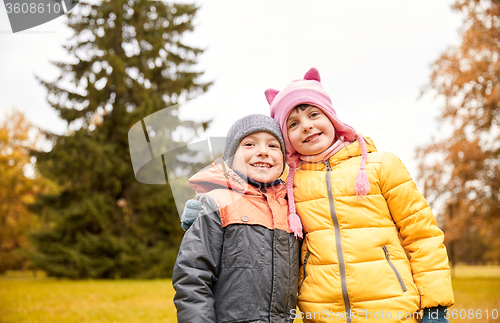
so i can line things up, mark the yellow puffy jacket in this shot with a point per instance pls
(380, 258)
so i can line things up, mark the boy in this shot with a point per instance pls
(239, 260)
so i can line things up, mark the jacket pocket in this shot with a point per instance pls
(400, 279)
(246, 246)
(306, 257)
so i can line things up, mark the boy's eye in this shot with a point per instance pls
(248, 144)
(274, 146)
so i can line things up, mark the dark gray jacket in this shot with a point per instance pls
(235, 270)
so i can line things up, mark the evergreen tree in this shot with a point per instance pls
(130, 62)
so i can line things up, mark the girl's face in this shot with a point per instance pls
(310, 131)
(259, 157)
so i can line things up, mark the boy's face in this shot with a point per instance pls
(259, 157)
(310, 131)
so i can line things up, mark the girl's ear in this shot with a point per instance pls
(271, 94)
(312, 74)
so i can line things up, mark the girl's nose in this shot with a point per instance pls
(307, 126)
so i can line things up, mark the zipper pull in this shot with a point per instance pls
(386, 251)
(327, 164)
(306, 258)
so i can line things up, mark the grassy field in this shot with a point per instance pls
(27, 299)
(24, 298)
(476, 288)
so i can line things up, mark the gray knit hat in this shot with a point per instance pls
(246, 126)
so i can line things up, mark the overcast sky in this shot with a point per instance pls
(374, 57)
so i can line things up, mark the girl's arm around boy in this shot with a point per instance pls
(197, 267)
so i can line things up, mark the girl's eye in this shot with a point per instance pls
(314, 114)
(292, 124)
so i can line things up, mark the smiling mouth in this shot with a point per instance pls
(312, 137)
(262, 165)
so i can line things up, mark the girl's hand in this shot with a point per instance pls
(191, 211)
(434, 315)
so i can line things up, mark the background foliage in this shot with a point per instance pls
(460, 170)
(129, 62)
(19, 185)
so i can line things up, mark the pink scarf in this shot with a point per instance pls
(361, 184)
(327, 153)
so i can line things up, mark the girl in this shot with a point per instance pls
(372, 249)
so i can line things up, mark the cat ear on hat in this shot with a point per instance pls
(271, 94)
(312, 74)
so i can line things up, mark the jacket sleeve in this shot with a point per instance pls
(197, 266)
(420, 235)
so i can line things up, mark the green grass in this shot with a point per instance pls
(476, 288)
(27, 299)
(24, 298)
(465, 271)
(476, 294)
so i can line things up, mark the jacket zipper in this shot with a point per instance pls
(304, 267)
(400, 279)
(338, 241)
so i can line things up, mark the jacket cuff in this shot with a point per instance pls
(435, 288)
(434, 315)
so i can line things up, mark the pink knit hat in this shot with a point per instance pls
(310, 91)
(306, 91)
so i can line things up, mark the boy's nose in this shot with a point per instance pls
(263, 152)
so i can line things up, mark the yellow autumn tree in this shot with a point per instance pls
(461, 170)
(19, 183)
